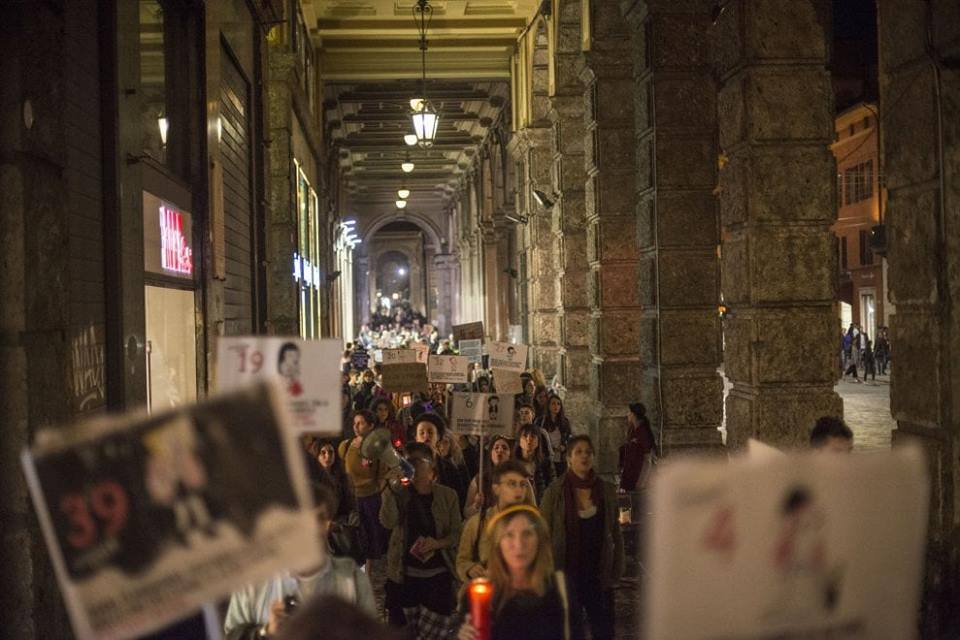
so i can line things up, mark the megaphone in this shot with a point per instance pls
(376, 445)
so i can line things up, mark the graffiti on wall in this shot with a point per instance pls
(87, 367)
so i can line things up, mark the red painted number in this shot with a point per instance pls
(256, 359)
(110, 506)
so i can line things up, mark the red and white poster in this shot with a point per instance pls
(307, 371)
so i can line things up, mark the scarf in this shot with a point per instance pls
(571, 514)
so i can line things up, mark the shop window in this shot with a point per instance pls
(307, 260)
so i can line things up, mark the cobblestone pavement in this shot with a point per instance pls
(866, 409)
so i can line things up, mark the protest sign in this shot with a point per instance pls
(507, 381)
(800, 546)
(472, 349)
(360, 358)
(404, 376)
(307, 370)
(469, 331)
(398, 356)
(148, 517)
(491, 412)
(503, 355)
(448, 369)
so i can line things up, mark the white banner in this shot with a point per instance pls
(490, 412)
(507, 381)
(448, 369)
(307, 370)
(504, 355)
(802, 546)
(148, 517)
(399, 356)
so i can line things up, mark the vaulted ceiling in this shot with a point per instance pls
(370, 64)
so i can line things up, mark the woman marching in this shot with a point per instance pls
(530, 599)
(537, 461)
(479, 497)
(587, 543)
(557, 427)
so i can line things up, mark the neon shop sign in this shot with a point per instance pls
(176, 256)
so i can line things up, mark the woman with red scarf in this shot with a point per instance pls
(583, 515)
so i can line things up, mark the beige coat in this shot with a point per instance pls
(446, 518)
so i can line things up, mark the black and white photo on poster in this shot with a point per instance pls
(148, 517)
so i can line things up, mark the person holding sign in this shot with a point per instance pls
(510, 486)
(260, 611)
(498, 451)
(534, 458)
(430, 427)
(530, 599)
(587, 543)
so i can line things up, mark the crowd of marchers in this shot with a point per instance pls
(526, 511)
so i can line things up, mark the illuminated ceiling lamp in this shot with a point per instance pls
(403, 193)
(410, 139)
(407, 165)
(425, 118)
(401, 204)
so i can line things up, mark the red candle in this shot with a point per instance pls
(481, 594)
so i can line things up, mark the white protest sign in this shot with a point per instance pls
(491, 412)
(504, 355)
(308, 371)
(448, 369)
(399, 356)
(802, 546)
(148, 517)
(472, 349)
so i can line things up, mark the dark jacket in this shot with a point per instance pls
(446, 518)
(611, 554)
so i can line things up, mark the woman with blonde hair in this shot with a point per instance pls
(530, 599)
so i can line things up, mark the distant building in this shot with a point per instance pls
(863, 283)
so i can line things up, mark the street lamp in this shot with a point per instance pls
(424, 117)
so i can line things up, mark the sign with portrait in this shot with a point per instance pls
(489, 413)
(147, 517)
(797, 546)
(308, 372)
(448, 369)
(503, 355)
(399, 356)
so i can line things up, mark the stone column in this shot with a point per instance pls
(612, 284)
(677, 227)
(777, 203)
(532, 146)
(921, 149)
(568, 178)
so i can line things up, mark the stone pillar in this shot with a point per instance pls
(568, 178)
(612, 285)
(921, 163)
(532, 145)
(775, 116)
(677, 227)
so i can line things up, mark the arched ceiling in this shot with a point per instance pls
(370, 65)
